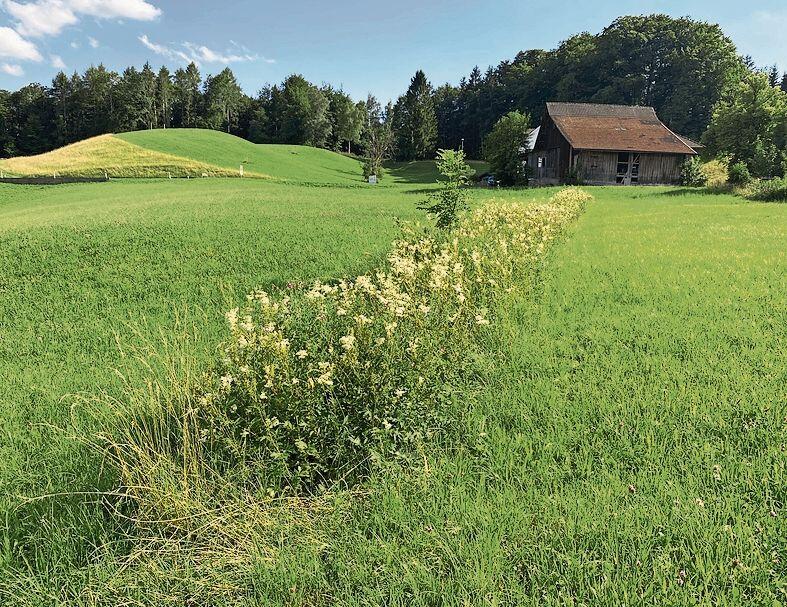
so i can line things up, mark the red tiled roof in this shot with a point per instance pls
(589, 126)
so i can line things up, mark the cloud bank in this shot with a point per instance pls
(50, 17)
(45, 18)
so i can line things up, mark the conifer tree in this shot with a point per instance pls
(415, 120)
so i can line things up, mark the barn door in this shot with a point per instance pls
(628, 168)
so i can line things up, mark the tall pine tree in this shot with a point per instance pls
(415, 120)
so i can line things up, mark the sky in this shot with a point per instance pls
(364, 46)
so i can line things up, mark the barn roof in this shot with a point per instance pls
(694, 145)
(624, 128)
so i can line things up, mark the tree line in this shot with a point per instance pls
(688, 70)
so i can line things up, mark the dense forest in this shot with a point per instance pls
(688, 70)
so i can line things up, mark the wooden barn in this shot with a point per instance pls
(606, 144)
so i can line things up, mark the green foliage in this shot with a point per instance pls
(504, 148)
(573, 177)
(451, 198)
(738, 174)
(371, 167)
(414, 120)
(749, 126)
(346, 117)
(378, 137)
(716, 171)
(187, 96)
(768, 190)
(692, 174)
(224, 101)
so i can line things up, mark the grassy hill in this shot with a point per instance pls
(109, 154)
(290, 162)
(194, 152)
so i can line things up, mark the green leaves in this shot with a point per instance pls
(446, 203)
(505, 148)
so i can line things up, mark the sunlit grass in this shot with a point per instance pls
(107, 155)
(626, 446)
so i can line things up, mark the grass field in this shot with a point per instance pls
(194, 152)
(626, 445)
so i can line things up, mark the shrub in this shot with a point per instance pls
(692, 174)
(573, 177)
(716, 172)
(771, 190)
(738, 174)
(451, 198)
(372, 167)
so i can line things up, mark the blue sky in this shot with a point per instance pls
(362, 45)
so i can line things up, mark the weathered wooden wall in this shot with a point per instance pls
(597, 167)
(601, 167)
(660, 168)
(553, 146)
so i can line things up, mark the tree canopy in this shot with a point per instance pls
(688, 70)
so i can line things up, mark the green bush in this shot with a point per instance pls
(692, 174)
(372, 167)
(573, 177)
(771, 190)
(738, 174)
(451, 198)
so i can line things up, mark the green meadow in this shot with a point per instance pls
(624, 442)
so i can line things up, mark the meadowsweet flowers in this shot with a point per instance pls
(347, 342)
(325, 381)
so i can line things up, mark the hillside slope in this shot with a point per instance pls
(290, 162)
(111, 155)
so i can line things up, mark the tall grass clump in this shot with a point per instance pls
(320, 386)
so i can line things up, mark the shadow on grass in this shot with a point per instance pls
(686, 191)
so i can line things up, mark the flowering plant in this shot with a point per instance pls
(324, 384)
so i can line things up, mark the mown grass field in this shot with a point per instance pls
(626, 444)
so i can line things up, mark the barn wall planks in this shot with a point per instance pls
(597, 167)
(660, 168)
(601, 167)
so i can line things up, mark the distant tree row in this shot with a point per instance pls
(684, 68)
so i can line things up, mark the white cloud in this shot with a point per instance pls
(42, 18)
(138, 10)
(199, 54)
(13, 46)
(93, 42)
(50, 17)
(74, 44)
(12, 69)
(207, 55)
(57, 62)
